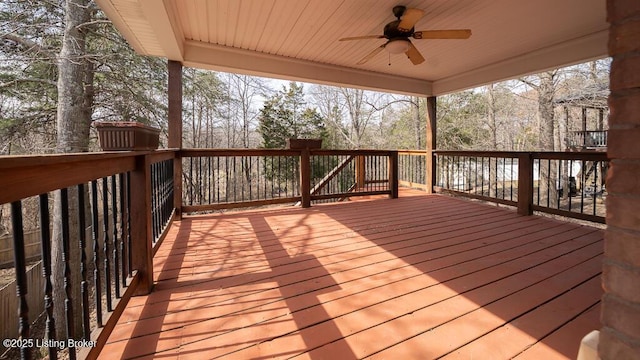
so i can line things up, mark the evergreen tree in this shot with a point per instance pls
(286, 115)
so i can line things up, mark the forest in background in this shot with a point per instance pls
(223, 110)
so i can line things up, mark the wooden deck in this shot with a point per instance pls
(418, 277)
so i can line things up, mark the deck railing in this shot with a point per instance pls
(338, 174)
(570, 184)
(126, 204)
(587, 139)
(112, 207)
(225, 179)
(412, 168)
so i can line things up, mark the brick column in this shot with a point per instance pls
(620, 332)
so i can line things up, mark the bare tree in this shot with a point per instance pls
(545, 85)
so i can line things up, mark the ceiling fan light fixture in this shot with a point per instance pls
(397, 46)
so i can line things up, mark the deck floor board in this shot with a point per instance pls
(422, 276)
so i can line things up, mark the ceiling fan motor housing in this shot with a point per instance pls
(391, 31)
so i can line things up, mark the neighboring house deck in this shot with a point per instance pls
(421, 276)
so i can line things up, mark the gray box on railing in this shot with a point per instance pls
(127, 136)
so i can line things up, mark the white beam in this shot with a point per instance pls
(121, 24)
(167, 32)
(590, 47)
(220, 58)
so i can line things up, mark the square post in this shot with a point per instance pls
(361, 171)
(430, 168)
(525, 184)
(141, 222)
(305, 177)
(393, 174)
(174, 89)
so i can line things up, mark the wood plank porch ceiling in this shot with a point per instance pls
(298, 39)
(413, 278)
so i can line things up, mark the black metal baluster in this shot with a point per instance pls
(21, 276)
(490, 172)
(539, 180)
(482, 175)
(154, 196)
(226, 183)
(560, 183)
(473, 175)
(289, 165)
(495, 195)
(123, 232)
(511, 196)
(548, 182)
(84, 289)
(171, 186)
(96, 252)
(258, 164)
(45, 243)
(129, 256)
(582, 185)
(595, 184)
(160, 197)
(217, 178)
(114, 217)
(165, 190)
(209, 182)
(287, 178)
(279, 174)
(190, 181)
(295, 182)
(68, 303)
(469, 172)
(235, 183)
(242, 169)
(570, 176)
(105, 242)
(504, 172)
(271, 171)
(199, 182)
(168, 190)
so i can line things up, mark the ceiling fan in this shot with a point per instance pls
(398, 32)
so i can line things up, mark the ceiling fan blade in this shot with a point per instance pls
(443, 34)
(371, 55)
(409, 19)
(414, 55)
(363, 37)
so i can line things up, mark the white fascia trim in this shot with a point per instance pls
(221, 58)
(118, 21)
(586, 48)
(168, 34)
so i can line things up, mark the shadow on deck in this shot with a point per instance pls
(419, 277)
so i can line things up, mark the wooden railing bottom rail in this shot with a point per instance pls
(237, 205)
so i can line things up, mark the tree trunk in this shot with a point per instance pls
(415, 117)
(549, 171)
(75, 99)
(493, 125)
(546, 91)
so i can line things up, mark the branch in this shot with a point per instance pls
(527, 82)
(35, 80)
(94, 22)
(389, 104)
(29, 44)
